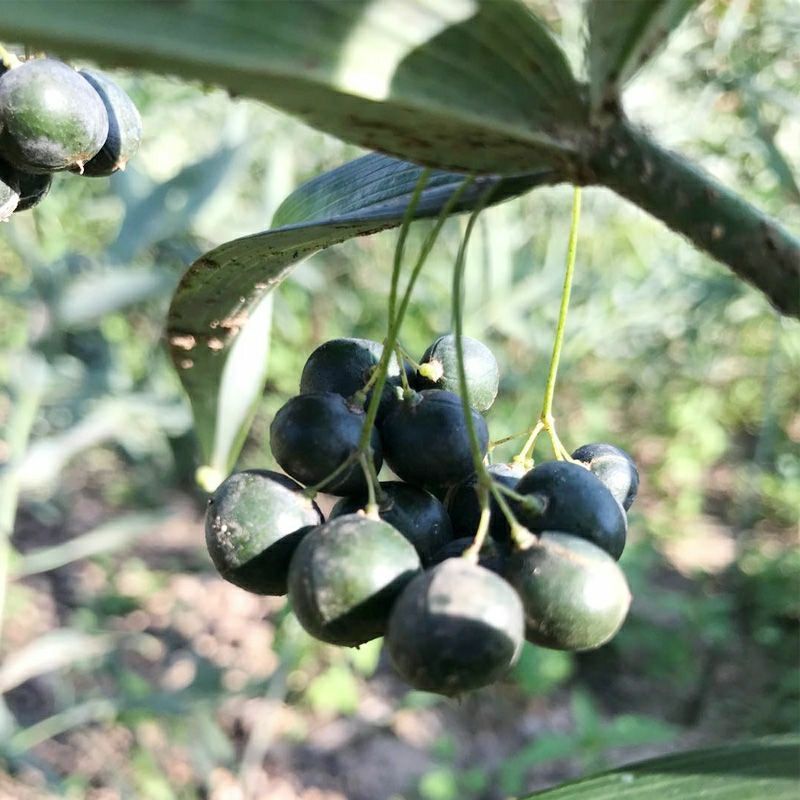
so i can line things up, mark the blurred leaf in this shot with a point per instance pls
(360, 70)
(114, 535)
(170, 207)
(623, 35)
(221, 295)
(334, 691)
(439, 784)
(50, 652)
(365, 658)
(765, 768)
(91, 296)
(538, 671)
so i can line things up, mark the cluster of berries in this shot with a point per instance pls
(53, 118)
(393, 568)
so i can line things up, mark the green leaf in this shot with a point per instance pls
(472, 85)
(227, 287)
(623, 35)
(754, 770)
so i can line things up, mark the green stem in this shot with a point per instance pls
(691, 202)
(473, 551)
(371, 478)
(457, 306)
(546, 416)
(547, 405)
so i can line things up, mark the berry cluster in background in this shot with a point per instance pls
(54, 118)
(454, 574)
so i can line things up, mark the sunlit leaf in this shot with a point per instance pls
(475, 85)
(755, 770)
(226, 288)
(623, 35)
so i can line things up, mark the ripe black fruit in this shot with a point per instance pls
(465, 510)
(576, 502)
(313, 434)
(574, 594)
(426, 442)
(417, 514)
(344, 366)
(53, 119)
(454, 628)
(440, 370)
(614, 467)
(124, 126)
(254, 522)
(32, 189)
(346, 574)
(491, 556)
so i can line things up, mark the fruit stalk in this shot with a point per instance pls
(691, 202)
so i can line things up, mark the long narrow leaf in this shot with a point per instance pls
(757, 770)
(225, 288)
(623, 35)
(473, 85)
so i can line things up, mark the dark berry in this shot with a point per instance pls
(254, 522)
(575, 502)
(426, 442)
(455, 628)
(614, 467)
(344, 366)
(124, 126)
(417, 514)
(574, 594)
(313, 434)
(53, 118)
(465, 510)
(439, 370)
(491, 556)
(32, 189)
(345, 576)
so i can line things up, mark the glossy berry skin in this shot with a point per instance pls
(53, 118)
(254, 522)
(455, 628)
(32, 189)
(124, 126)
(574, 594)
(465, 510)
(313, 434)
(491, 556)
(415, 513)
(345, 576)
(576, 502)
(614, 467)
(344, 366)
(425, 439)
(480, 366)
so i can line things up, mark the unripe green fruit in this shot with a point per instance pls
(455, 628)
(254, 522)
(124, 126)
(345, 576)
(574, 594)
(415, 513)
(53, 118)
(614, 467)
(439, 370)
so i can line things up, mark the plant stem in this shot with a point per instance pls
(546, 421)
(691, 202)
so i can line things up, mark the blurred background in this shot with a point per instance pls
(130, 670)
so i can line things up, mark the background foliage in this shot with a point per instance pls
(130, 670)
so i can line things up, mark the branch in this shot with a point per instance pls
(691, 202)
